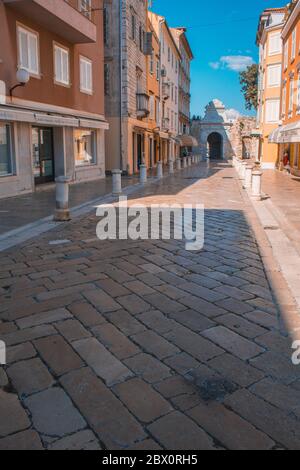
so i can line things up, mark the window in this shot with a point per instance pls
(86, 75)
(61, 65)
(298, 95)
(152, 106)
(284, 100)
(152, 62)
(294, 35)
(133, 27)
(291, 97)
(106, 26)
(85, 6)
(85, 147)
(106, 79)
(157, 70)
(157, 109)
(272, 111)
(275, 44)
(28, 45)
(274, 75)
(286, 55)
(6, 159)
(141, 38)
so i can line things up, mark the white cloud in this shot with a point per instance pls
(232, 114)
(237, 63)
(215, 65)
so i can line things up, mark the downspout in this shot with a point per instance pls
(121, 81)
(160, 86)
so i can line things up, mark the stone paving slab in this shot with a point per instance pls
(127, 345)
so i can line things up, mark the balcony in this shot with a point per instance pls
(166, 91)
(165, 124)
(59, 17)
(142, 105)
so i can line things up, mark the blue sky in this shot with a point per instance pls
(222, 36)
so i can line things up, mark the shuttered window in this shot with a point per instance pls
(86, 75)
(294, 36)
(272, 111)
(274, 75)
(275, 44)
(28, 50)
(62, 68)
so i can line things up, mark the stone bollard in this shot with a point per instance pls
(178, 164)
(184, 162)
(256, 185)
(248, 177)
(160, 173)
(171, 167)
(62, 211)
(189, 161)
(116, 182)
(143, 174)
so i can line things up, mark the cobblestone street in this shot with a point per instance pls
(143, 345)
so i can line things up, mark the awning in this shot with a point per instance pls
(275, 136)
(286, 134)
(187, 141)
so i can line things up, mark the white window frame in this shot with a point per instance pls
(85, 61)
(63, 51)
(294, 37)
(272, 37)
(11, 150)
(271, 69)
(270, 119)
(283, 109)
(286, 55)
(30, 34)
(291, 96)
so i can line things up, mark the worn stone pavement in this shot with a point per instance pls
(143, 345)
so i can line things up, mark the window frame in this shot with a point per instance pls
(269, 69)
(11, 149)
(267, 119)
(63, 48)
(95, 149)
(275, 51)
(86, 91)
(32, 32)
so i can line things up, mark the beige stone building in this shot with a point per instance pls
(169, 64)
(127, 46)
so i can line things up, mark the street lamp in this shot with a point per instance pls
(22, 77)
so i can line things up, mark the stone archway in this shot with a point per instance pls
(215, 146)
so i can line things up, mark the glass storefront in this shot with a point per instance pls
(6, 159)
(85, 147)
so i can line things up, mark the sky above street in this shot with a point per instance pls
(222, 36)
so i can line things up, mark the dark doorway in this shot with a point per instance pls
(43, 155)
(139, 150)
(215, 146)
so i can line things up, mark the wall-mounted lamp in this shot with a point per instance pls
(22, 77)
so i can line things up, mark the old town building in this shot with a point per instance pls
(269, 41)
(288, 133)
(169, 69)
(185, 139)
(51, 93)
(127, 45)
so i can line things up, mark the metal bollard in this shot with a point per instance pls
(116, 182)
(62, 211)
(143, 174)
(248, 177)
(256, 185)
(159, 170)
(178, 164)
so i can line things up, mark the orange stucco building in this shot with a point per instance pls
(269, 41)
(53, 125)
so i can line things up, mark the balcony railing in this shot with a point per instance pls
(142, 105)
(59, 17)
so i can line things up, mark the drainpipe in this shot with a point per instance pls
(121, 80)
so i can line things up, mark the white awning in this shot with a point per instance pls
(286, 134)
(187, 141)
